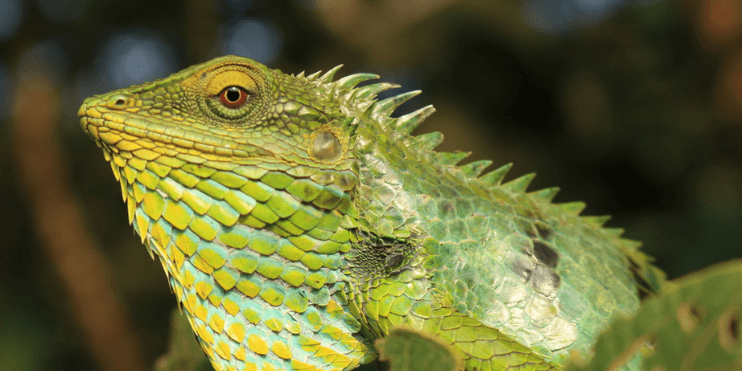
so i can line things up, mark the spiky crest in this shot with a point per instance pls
(632, 244)
(350, 81)
(404, 125)
(387, 106)
(314, 75)
(596, 221)
(329, 75)
(370, 91)
(494, 177)
(574, 208)
(451, 158)
(546, 194)
(519, 185)
(615, 232)
(427, 141)
(363, 99)
(474, 168)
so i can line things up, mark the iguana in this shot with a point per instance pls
(297, 220)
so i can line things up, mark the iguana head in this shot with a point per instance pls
(232, 128)
(231, 109)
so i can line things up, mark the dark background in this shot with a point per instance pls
(631, 106)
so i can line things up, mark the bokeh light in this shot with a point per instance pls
(253, 38)
(11, 15)
(135, 57)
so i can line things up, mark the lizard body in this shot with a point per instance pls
(297, 221)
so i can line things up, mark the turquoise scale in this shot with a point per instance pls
(230, 277)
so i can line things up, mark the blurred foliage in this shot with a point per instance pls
(183, 352)
(635, 112)
(693, 325)
(408, 350)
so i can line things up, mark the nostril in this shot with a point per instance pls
(118, 101)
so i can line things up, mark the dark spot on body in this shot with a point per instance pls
(374, 257)
(689, 316)
(544, 231)
(545, 254)
(728, 330)
(524, 225)
(393, 261)
(733, 329)
(545, 280)
(523, 268)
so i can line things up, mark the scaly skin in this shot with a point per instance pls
(297, 222)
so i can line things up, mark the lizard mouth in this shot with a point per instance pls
(118, 130)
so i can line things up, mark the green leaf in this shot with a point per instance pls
(184, 353)
(692, 325)
(409, 350)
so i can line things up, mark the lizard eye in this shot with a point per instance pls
(234, 96)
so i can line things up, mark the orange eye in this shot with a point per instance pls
(234, 96)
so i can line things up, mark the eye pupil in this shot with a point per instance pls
(234, 97)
